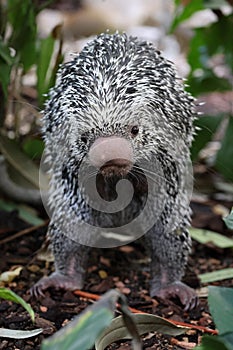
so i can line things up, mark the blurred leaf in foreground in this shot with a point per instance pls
(81, 333)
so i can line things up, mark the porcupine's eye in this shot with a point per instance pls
(134, 130)
(84, 138)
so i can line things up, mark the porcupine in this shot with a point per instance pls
(116, 103)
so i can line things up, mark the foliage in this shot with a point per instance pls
(206, 236)
(81, 333)
(229, 220)
(46, 69)
(221, 307)
(96, 325)
(22, 48)
(8, 294)
(207, 45)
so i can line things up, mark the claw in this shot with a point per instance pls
(57, 281)
(186, 295)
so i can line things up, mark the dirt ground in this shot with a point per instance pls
(126, 268)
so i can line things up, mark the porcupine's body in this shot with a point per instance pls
(117, 104)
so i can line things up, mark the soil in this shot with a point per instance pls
(126, 268)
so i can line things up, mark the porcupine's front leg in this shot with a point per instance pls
(169, 254)
(70, 264)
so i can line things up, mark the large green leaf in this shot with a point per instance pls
(22, 17)
(220, 301)
(81, 333)
(212, 343)
(221, 307)
(7, 294)
(145, 323)
(224, 160)
(227, 340)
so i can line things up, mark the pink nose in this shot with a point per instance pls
(105, 149)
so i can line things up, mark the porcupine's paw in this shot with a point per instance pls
(58, 281)
(186, 295)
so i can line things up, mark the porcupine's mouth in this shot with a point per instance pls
(116, 168)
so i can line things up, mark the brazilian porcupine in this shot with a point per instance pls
(116, 105)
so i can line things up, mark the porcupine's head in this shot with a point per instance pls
(117, 102)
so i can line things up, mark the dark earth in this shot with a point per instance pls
(125, 268)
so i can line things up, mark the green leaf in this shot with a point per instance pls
(29, 215)
(5, 53)
(44, 58)
(7, 294)
(6, 62)
(145, 323)
(49, 59)
(220, 301)
(33, 148)
(81, 333)
(5, 71)
(211, 343)
(207, 125)
(227, 339)
(218, 275)
(25, 213)
(229, 220)
(205, 236)
(206, 43)
(185, 12)
(18, 334)
(198, 55)
(207, 82)
(224, 160)
(213, 35)
(20, 161)
(22, 17)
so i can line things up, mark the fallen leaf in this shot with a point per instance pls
(19, 334)
(9, 276)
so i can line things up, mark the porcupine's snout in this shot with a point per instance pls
(112, 155)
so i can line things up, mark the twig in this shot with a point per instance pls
(23, 232)
(177, 323)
